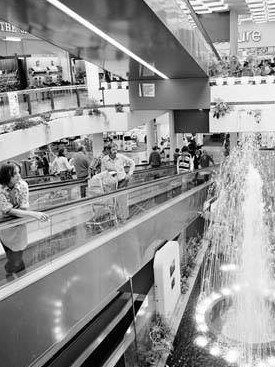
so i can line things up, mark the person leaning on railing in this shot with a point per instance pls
(14, 201)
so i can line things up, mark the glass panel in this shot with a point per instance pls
(192, 39)
(40, 101)
(72, 226)
(64, 98)
(23, 104)
(83, 96)
(4, 107)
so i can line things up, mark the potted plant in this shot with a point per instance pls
(119, 107)
(221, 108)
(159, 341)
(93, 106)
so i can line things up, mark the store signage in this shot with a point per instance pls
(7, 27)
(248, 36)
(147, 90)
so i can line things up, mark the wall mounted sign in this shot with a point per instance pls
(248, 36)
(7, 27)
(167, 278)
(147, 90)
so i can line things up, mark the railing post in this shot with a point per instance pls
(28, 97)
(77, 97)
(52, 99)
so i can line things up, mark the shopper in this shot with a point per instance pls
(46, 166)
(185, 161)
(14, 201)
(81, 163)
(61, 166)
(155, 158)
(176, 155)
(206, 159)
(120, 163)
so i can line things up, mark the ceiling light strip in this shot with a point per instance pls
(100, 33)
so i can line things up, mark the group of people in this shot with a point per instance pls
(14, 196)
(231, 66)
(191, 158)
(111, 167)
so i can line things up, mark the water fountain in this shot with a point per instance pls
(235, 313)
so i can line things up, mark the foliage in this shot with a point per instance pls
(159, 342)
(189, 261)
(257, 114)
(119, 107)
(26, 123)
(221, 108)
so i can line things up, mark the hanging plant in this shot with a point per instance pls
(221, 108)
(119, 107)
(257, 114)
(93, 106)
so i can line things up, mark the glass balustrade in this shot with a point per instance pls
(75, 224)
(24, 103)
(44, 196)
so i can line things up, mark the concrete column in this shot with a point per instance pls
(66, 67)
(92, 81)
(97, 144)
(151, 138)
(233, 33)
(172, 135)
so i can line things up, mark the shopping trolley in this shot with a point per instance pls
(103, 210)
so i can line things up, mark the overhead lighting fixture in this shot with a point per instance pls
(65, 9)
(12, 39)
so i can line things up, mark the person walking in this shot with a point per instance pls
(14, 201)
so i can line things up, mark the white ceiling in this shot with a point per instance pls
(259, 11)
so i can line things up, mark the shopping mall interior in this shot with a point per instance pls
(137, 178)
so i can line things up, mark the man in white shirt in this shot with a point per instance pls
(120, 163)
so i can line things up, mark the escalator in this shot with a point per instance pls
(51, 193)
(75, 277)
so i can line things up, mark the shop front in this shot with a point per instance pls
(28, 62)
(256, 40)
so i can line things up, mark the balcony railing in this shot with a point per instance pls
(32, 102)
(243, 80)
(74, 224)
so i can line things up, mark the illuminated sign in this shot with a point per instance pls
(7, 27)
(248, 36)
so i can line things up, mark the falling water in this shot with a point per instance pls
(235, 313)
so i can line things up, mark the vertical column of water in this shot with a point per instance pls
(236, 280)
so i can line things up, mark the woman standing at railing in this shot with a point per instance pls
(14, 200)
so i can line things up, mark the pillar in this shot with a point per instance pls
(233, 33)
(92, 78)
(172, 135)
(66, 67)
(151, 139)
(97, 144)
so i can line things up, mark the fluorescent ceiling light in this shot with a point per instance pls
(217, 8)
(203, 11)
(105, 36)
(12, 39)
